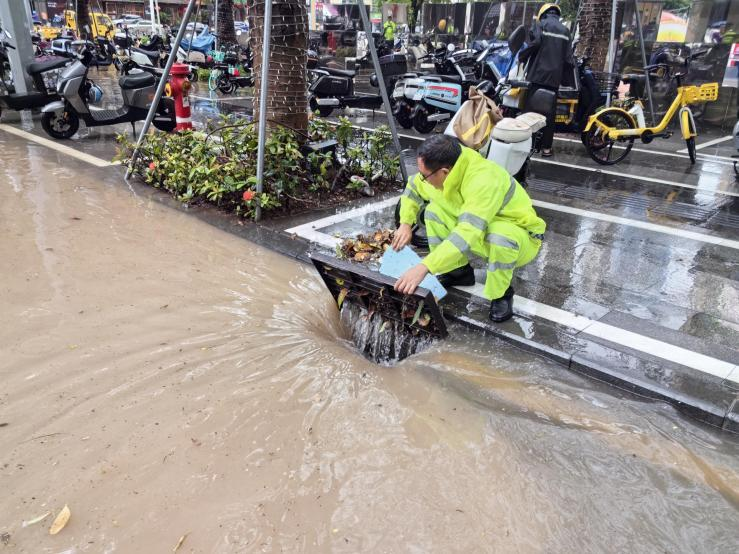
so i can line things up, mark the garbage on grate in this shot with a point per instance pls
(385, 325)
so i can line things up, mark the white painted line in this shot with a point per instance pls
(654, 180)
(54, 145)
(331, 242)
(707, 143)
(692, 235)
(617, 335)
(716, 159)
(343, 216)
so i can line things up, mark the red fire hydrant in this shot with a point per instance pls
(180, 90)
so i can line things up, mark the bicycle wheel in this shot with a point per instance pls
(213, 80)
(600, 147)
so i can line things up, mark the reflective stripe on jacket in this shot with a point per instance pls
(476, 193)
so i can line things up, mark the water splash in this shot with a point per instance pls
(382, 340)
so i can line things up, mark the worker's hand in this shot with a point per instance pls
(402, 236)
(410, 280)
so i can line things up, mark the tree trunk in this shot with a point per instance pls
(595, 32)
(84, 23)
(287, 102)
(226, 31)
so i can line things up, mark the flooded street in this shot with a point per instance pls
(164, 378)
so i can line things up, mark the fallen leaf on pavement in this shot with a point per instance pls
(179, 542)
(61, 520)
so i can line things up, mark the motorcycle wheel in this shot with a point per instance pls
(63, 127)
(421, 122)
(404, 119)
(599, 147)
(323, 111)
(226, 85)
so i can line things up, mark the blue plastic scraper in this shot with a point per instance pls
(394, 264)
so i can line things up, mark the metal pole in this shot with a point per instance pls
(383, 90)
(194, 29)
(160, 87)
(153, 20)
(262, 136)
(215, 24)
(612, 47)
(644, 59)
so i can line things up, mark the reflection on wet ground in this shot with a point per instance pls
(164, 378)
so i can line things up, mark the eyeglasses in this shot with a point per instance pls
(426, 177)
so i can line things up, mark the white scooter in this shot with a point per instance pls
(511, 142)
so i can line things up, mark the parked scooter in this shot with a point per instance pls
(61, 119)
(195, 51)
(43, 75)
(155, 52)
(439, 97)
(334, 88)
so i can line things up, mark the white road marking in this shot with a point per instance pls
(617, 335)
(54, 145)
(721, 160)
(528, 307)
(708, 143)
(692, 235)
(654, 180)
(331, 242)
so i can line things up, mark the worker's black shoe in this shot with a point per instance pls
(461, 277)
(502, 308)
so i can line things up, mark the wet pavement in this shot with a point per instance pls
(166, 379)
(636, 283)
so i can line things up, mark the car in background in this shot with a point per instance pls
(126, 19)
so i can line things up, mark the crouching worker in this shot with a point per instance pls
(475, 209)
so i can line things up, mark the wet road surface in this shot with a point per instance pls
(164, 378)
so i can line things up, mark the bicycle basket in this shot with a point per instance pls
(607, 81)
(707, 92)
(217, 55)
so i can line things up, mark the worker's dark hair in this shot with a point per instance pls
(440, 151)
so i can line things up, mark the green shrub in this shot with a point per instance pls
(219, 167)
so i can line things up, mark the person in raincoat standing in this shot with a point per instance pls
(474, 209)
(388, 29)
(547, 54)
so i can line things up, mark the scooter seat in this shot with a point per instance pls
(510, 130)
(340, 72)
(136, 80)
(40, 67)
(146, 52)
(446, 78)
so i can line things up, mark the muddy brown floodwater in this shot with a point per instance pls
(163, 378)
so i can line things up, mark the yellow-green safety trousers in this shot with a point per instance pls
(481, 212)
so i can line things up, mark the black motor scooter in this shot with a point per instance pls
(61, 119)
(334, 88)
(43, 75)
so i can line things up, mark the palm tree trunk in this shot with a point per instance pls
(595, 31)
(84, 23)
(226, 31)
(287, 102)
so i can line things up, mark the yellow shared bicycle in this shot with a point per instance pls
(610, 132)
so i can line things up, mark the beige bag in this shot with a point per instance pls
(476, 119)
